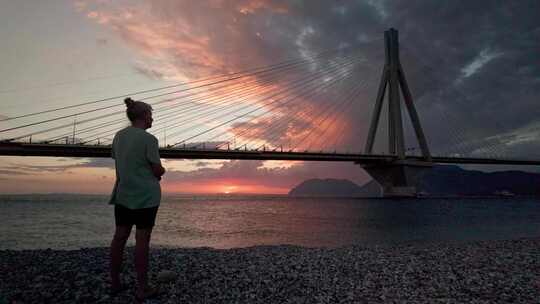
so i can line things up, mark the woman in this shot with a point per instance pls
(136, 194)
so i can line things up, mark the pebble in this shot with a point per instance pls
(166, 276)
(473, 272)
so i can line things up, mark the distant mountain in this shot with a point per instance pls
(441, 180)
(334, 188)
(453, 180)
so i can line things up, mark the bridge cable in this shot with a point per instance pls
(341, 135)
(304, 114)
(237, 117)
(321, 121)
(464, 142)
(191, 104)
(346, 108)
(192, 118)
(454, 138)
(252, 71)
(247, 132)
(348, 101)
(222, 100)
(292, 85)
(67, 125)
(458, 137)
(292, 111)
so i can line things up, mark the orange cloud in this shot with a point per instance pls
(198, 37)
(100, 18)
(249, 7)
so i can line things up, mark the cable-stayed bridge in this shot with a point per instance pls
(298, 109)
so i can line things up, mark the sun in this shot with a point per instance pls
(229, 189)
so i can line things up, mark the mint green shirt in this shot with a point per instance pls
(136, 187)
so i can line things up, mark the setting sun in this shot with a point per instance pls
(229, 189)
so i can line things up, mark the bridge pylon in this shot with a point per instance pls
(398, 177)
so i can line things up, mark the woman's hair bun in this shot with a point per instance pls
(136, 109)
(129, 102)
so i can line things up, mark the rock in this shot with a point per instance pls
(105, 299)
(46, 294)
(41, 278)
(166, 276)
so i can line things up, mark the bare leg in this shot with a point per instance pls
(118, 244)
(142, 245)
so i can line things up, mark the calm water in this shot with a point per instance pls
(74, 221)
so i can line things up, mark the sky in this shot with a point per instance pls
(472, 66)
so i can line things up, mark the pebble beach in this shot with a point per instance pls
(471, 272)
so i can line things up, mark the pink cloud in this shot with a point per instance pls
(250, 7)
(198, 37)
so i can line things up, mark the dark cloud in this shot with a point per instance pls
(95, 163)
(31, 169)
(203, 164)
(12, 172)
(149, 72)
(472, 65)
(494, 44)
(27, 168)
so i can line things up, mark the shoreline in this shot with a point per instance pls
(445, 272)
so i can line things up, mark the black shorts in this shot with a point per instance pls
(141, 218)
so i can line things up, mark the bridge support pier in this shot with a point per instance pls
(399, 178)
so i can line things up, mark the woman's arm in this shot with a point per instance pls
(152, 155)
(157, 170)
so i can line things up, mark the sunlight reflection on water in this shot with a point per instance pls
(72, 221)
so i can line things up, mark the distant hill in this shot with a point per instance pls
(439, 181)
(334, 188)
(453, 180)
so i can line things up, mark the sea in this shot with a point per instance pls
(71, 221)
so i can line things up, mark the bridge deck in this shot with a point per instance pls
(61, 150)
